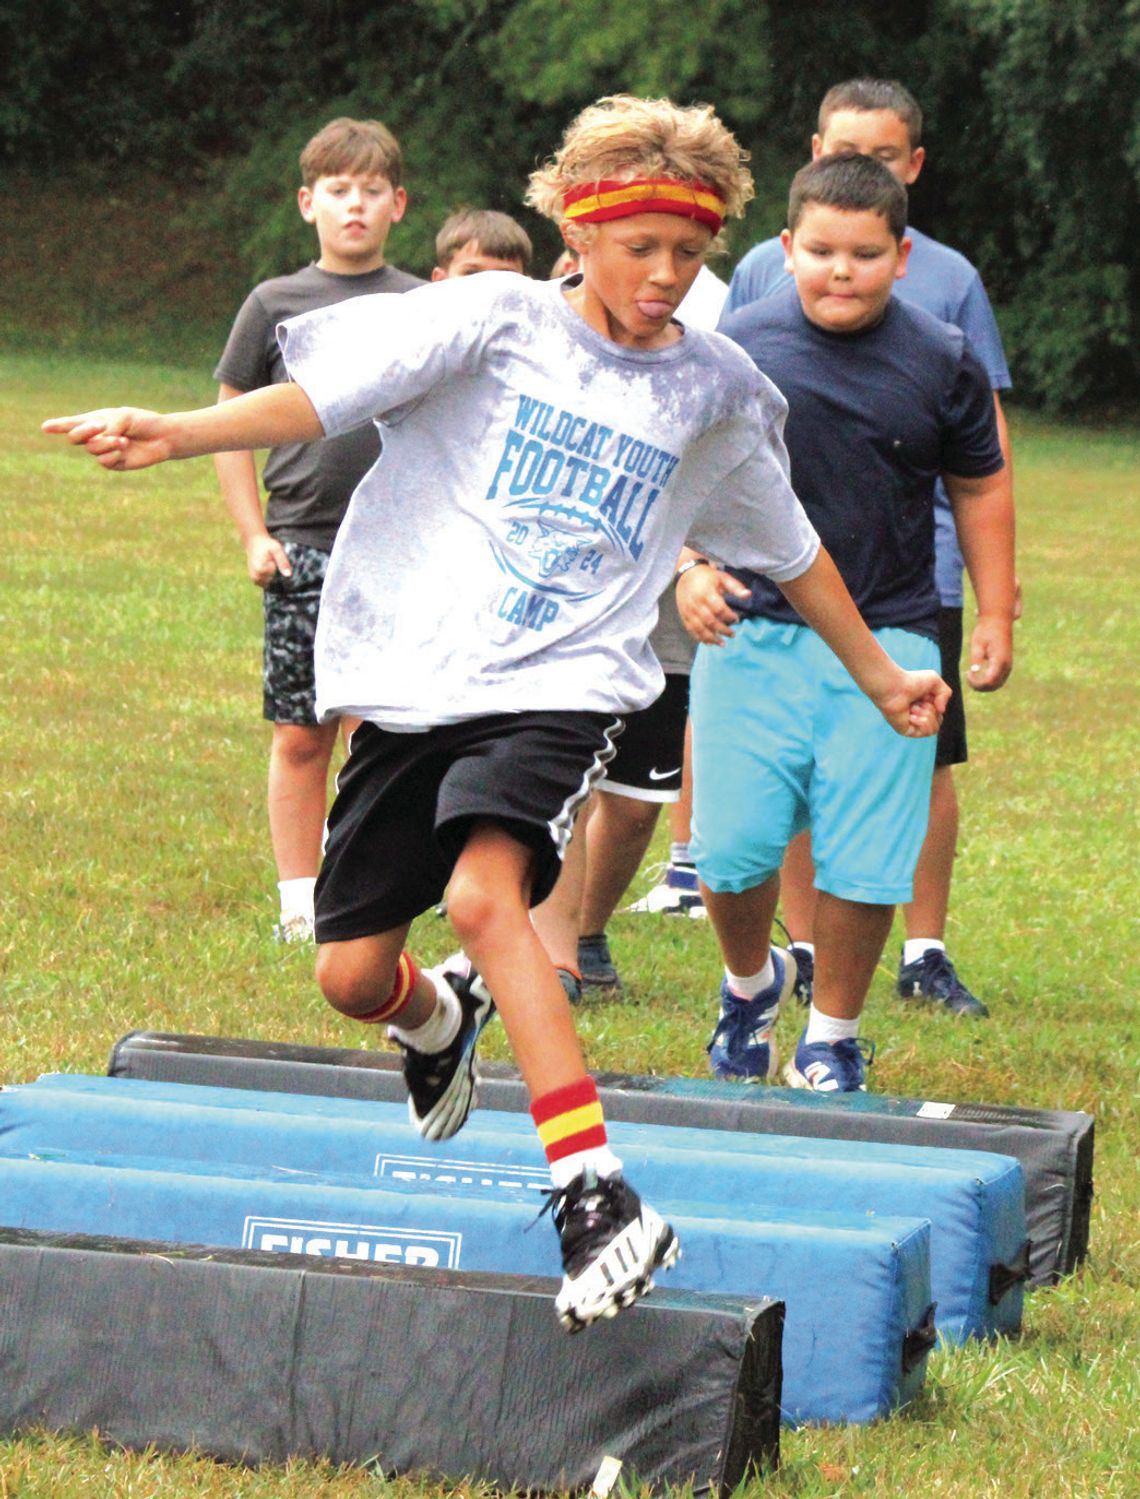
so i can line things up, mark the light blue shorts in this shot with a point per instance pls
(783, 740)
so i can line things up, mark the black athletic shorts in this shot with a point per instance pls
(651, 752)
(405, 804)
(288, 677)
(952, 735)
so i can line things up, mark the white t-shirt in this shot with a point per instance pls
(704, 301)
(672, 644)
(536, 484)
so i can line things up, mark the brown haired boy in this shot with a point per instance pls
(481, 239)
(352, 195)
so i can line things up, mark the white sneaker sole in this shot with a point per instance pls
(620, 1275)
(666, 905)
(796, 1079)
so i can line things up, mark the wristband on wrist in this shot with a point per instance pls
(687, 566)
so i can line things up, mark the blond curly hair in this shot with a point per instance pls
(621, 138)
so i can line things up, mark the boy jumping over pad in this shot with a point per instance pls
(548, 448)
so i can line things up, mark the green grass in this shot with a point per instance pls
(137, 892)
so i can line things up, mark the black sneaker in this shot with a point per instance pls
(595, 963)
(442, 1084)
(934, 979)
(611, 1245)
(805, 972)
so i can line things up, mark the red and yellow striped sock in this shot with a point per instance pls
(573, 1131)
(405, 982)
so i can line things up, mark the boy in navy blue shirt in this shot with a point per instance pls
(880, 118)
(883, 399)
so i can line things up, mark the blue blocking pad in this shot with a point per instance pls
(1055, 1146)
(973, 1199)
(857, 1289)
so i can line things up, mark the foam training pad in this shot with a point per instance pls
(869, 1277)
(1054, 1146)
(974, 1200)
(253, 1357)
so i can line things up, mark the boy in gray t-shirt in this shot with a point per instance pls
(352, 196)
(548, 449)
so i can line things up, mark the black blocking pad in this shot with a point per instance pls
(252, 1357)
(1055, 1147)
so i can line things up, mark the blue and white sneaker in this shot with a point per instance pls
(743, 1046)
(677, 894)
(831, 1067)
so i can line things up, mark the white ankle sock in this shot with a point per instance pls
(808, 947)
(749, 985)
(679, 854)
(827, 1028)
(914, 947)
(441, 1026)
(297, 897)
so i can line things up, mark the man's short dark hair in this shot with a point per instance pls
(866, 94)
(853, 183)
(496, 234)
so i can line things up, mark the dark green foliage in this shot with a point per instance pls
(1033, 121)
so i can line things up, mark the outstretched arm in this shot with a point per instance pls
(125, 437)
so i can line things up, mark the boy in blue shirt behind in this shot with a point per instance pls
(883, 399)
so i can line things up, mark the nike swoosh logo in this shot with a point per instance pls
(663, 775)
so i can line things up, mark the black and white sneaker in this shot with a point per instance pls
(611, 1245)
(442, 1084)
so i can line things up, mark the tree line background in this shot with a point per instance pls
(1032, 125)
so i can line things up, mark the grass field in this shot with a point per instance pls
(137, 893)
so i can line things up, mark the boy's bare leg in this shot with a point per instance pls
(849, 941)
(926, 971)
(797, 888)
(618, 833)
(299, 758)
(558, 919)
(357, 977)
(926, 914)
(743, 923)
(488, 906)
(611, 1241)
(681, 811)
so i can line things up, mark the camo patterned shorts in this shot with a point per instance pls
(288, 676)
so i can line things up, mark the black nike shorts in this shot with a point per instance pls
(650, 754)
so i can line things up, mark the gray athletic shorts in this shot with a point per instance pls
(288, 678)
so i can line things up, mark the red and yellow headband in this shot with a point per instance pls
(596, 202)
